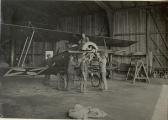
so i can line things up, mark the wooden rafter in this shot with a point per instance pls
(109, 12)
(159, 5)
(122, 4)
(104, 6)
(134, 3)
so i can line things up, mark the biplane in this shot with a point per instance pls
(60, 61)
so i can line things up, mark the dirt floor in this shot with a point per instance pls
(29, 98)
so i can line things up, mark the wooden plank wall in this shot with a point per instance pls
(157, 37)
(91, 24)
(130, 22)
(132, 25)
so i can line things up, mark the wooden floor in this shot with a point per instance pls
(29, 98)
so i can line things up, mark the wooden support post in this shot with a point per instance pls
(167, 30)
(12, 55)
(146, 31)
(33, 54)
(146, 35)
(0, 24)
(110, 18)
(9, 13)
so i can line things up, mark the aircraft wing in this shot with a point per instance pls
(99, 40)
(51, 35)
(99, 50)
(74, 38)
(79, 51)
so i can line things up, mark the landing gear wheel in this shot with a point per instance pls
(95, 80)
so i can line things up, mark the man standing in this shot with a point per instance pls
(103, 61)
(70, 72)
(84, 73)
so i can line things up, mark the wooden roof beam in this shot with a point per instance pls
(104, 6)
(109, 13)
(149, 6)
(134, 3)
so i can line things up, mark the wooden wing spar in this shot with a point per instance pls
(99, 50)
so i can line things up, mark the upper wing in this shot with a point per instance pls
(50, 35)
(99, 50)
(74, 38)
(99, 40)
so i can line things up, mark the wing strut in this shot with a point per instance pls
(25, 50)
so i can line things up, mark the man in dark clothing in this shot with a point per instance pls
(48, 63)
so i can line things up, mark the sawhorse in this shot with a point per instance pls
(137, 71)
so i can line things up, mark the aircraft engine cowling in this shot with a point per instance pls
(89, 46)
(92, 48)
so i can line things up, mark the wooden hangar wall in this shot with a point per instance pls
(140, 25)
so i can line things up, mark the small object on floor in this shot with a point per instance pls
(78, 112)
(81, 112)
(96, 113)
